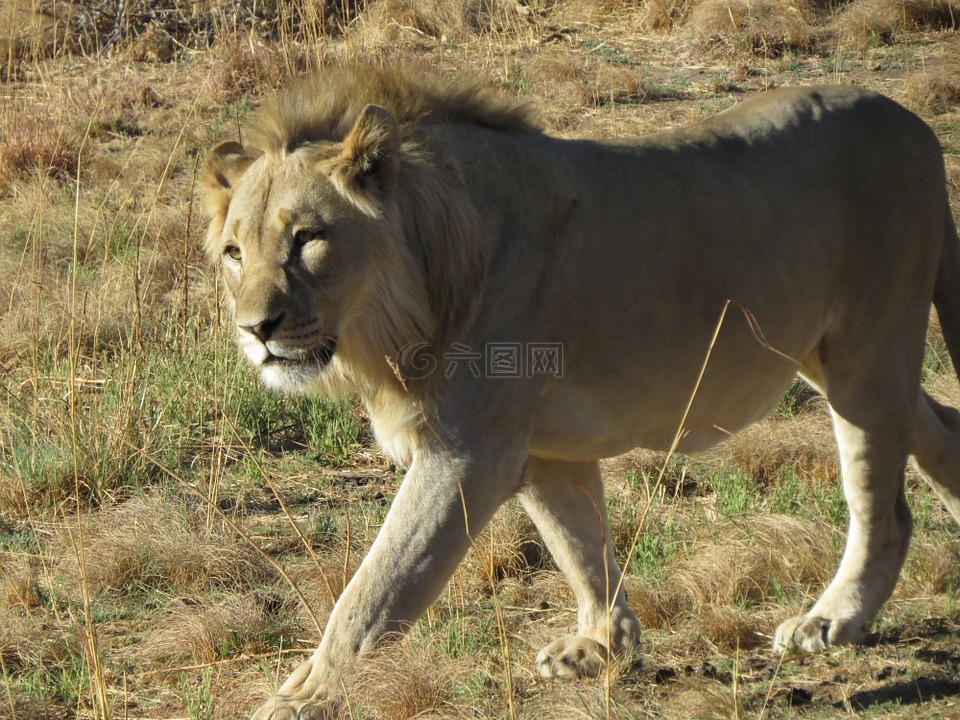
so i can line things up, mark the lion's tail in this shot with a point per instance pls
(946, 293)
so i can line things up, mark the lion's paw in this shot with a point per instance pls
(812, 633)
(279, 708)
(571, 658)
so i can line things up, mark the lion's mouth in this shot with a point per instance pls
(319, 356)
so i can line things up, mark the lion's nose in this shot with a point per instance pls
(263, 329)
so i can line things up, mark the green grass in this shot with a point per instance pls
(656, 549)
(790, 495)
(736, 492)
(198, 695)
(936, 360)
(62, 681)
(147, 409)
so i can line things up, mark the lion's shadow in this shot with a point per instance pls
(944, 683)
(908, 692)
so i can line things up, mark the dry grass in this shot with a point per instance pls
(37, 140)
(803, 445)
(866, 21)
(744, 560)
(666, 14)
(707, 699)
(159, 543)
(931, 568)
(19, 584)
(20, 635)
(935, 92)
(203, 633)
(509, 548)
(577, 83)
(322, 581)
(28, 35)
(768, 27)
(443, 20)
(747, 563)
(239, 65)
(406, 682)
(771, 27)
(589, 703)
(42, 132)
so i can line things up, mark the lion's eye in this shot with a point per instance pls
(233, 252)
(306, 235)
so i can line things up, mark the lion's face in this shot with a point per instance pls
(297, 259)
(307, 241)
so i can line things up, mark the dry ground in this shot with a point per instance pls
(172, 539)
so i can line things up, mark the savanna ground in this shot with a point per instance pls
(172, 538)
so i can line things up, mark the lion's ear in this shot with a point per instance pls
(221, 170)
(224, 166)
(370, 161)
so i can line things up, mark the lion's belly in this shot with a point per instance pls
(611, 416)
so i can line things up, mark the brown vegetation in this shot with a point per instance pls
(766, 26)
(158, 543)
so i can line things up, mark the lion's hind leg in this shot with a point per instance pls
(877, 540)
(936, 450)
(565, 501)
(876, 546)
(873, 418)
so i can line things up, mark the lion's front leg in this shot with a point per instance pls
(565, 501)
(442, 503)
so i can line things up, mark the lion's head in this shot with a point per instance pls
(343, 228)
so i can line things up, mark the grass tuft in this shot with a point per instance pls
(770, 451)
(766, 27)
(36, 140)
(935, 93)
(202, 633)
(158, 543)
(405, 681)
(438, 20)
(882, 21)
(739, 564)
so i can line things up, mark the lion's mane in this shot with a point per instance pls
(427, 303)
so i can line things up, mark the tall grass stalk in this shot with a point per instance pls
(501, 629)
(98, 682)
(735, 682)
(185, 296)
(6, 685)
(670, 453)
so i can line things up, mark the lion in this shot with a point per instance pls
(511, 307)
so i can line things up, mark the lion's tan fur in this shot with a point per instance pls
(374, 210)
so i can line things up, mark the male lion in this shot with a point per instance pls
(379, 223)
